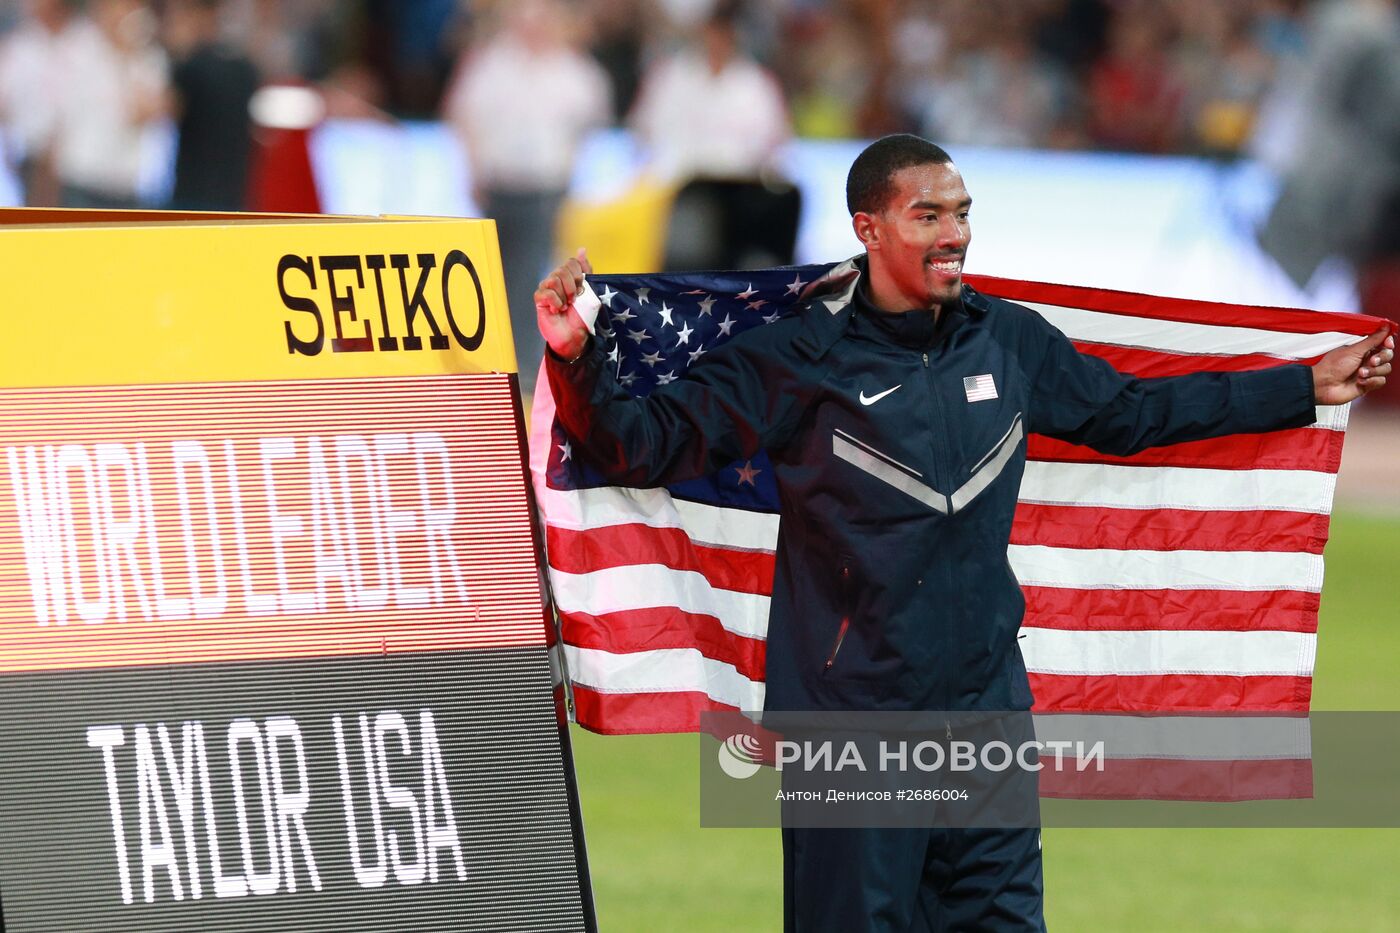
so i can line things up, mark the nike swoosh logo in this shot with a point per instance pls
(872, 399)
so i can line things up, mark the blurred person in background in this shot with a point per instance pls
(713, 121)
(825, 71)
(997, 90)
(115, 86)
(710, 110)
(31, 76)
(1072, 33)
(1225, 70)
(1339, 152)
(1278, 28)
(838, 67)
(407, 43)
(291, 40)
(521, 103)
(1134, 96)
(213, 82)
(620, 31)
(875, 23)
(923, 49)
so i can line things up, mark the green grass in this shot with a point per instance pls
(654, 868)
(1359, 632)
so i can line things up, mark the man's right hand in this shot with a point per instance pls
(560, 324)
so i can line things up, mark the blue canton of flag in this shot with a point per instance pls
(655, 327)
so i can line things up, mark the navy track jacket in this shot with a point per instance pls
(899, 446)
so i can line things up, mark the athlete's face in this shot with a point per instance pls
(918, 241)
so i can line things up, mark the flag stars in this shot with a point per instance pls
(705, 305)
(626, 380)
(636, 336)
(643, 296)
(770, 318)
(747, 293)
(747, 473)
(666, 314)
(755, 305)
(697, 353)
(683, 335)
(622, 316)
(566, 452)
(613, 354)
(666, 378)
(651, 359)
(796, 287)
(726, 324)
(607, 296)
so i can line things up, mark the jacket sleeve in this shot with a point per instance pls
(1081, 398)
(731, 404)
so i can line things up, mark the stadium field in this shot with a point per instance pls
(654, 868)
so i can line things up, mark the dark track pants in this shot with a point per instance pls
(902, 880)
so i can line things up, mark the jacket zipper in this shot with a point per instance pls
(934, 450)
(936, 442)
(845, 618)
(936, 435)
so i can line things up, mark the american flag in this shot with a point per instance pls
(980, 388)
(1184, 579)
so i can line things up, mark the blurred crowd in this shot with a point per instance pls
(711, 89)
(1134, 75)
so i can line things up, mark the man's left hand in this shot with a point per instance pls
(1349, 372)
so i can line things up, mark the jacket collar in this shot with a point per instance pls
(831, 302)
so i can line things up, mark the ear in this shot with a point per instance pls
(867, 230)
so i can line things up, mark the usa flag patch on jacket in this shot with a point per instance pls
(980, 388)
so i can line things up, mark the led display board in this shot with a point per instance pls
(273, 645)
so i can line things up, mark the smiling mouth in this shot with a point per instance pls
(949, 267)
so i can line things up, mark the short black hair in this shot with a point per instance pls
(871, 179)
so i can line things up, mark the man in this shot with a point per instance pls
(732, 208)
(115, 86)
(213, 81)
(710, 110)
(31, 81)
(521, 104)
(895, 413)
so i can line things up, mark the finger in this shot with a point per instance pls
(554, 285)
(1367, 344)
(1378, 365)
(583, 261)
(573, 267)
(568, 285)
(548, 299)
(564, 282)
(548, 294)
(1370, 385)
